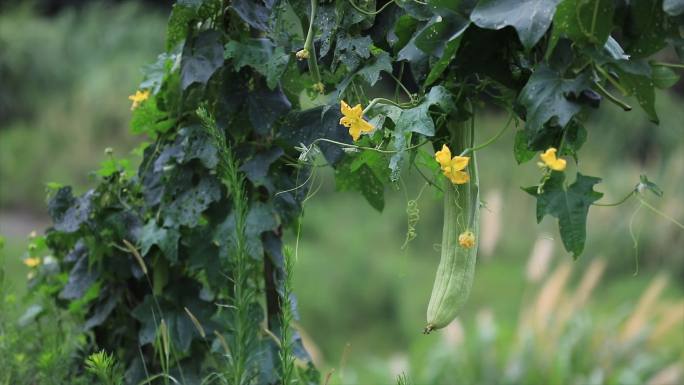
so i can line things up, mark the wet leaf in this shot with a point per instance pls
(570, 205)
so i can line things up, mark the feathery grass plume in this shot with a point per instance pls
(491, 219)
(644, 309)
(540, 259)
(196, 322)
(241, 366)
(453, 334)
(162, 346)
(672, 317)
(548, 298)
(672, 374)
(567, 309)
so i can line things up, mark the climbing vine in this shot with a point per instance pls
(177, 266)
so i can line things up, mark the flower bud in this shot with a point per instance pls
(466, 239)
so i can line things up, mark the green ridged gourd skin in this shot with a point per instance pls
(457, 264)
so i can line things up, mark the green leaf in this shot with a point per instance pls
(648, 29)
(361, 178)
(545, 97)
(179, 25)
(253, 12)
(164, 238)
(148, 119)
(81, 278)
(201, 58)
(530, 18)
(371, 72)
(183, 294)
(188, 195)
(400, 35)
(155, 73)
(584, 20)
(635, 76)
(673, 7)
(664, 77)
(112, 165)
(68, 213)
(440, 65)
(261, 218)
(416, 120)
(352, 50)
(265, 107)
(257, 167)
(570, 205)
(260, 54)
(438, 32)
(575, 136)
(520, 149)
(323, 122)
(194, 143)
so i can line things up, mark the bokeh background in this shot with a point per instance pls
(616, 315)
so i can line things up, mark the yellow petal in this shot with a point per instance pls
(138, 97)
(357, 111)
(549, 158)
(355, 132)
(558, 165)
(344, 108)
(456, 177)
(459, 163)
(346, 121)
(32, 262)
(443, 156)
(364, 126)
(460, 177)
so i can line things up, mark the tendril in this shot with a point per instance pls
(635, 239)
(413, 216)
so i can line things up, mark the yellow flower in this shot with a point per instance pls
(354, 121)
(443, 156)
(466, 239)
(139, 97)
(453, 167)
(32, 262)
(550, 160)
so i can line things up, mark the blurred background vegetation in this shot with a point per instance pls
(534, 316)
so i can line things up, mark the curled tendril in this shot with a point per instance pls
(412, 216)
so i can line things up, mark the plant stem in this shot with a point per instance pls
(621, 201)
(309, 47)
(400, 84)
(370, 13)
(662, 214)
(386, 101)
(491, 140)
(612, 97)
(678, 66)
(611, 80)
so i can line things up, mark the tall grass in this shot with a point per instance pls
(558, 339)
